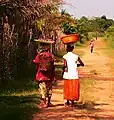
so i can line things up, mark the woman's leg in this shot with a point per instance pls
(72, 102)
(43, 91)
(68, 103)
(91, 49)
(49, 93)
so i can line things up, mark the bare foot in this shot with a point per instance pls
(50, 105)
(42, 105)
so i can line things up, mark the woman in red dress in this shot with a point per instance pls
(45, 75)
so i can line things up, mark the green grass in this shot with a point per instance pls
(109, 39)
(109, 51)
(19, 102)
(18, 105)
(110, 43)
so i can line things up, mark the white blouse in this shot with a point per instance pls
(71, 59)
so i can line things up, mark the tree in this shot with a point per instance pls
(83, 19)
(103, 17)
(21, 15)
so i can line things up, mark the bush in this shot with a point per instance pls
(109, 36)
(78, 44)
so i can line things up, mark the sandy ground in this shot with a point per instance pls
(97, 65)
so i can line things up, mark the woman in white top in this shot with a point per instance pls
(70, 75)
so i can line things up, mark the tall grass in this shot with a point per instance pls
(109, 36)
(109, 41)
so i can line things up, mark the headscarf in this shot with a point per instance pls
(44, 47)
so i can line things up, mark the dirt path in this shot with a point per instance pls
(96, 65)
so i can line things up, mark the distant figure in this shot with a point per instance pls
(92, 45)
(70, 76)
(45, 75)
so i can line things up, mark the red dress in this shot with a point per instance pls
(42, 76)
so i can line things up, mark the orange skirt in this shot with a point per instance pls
(72, 89)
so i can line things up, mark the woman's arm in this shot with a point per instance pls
(80, 61)
(65, 68)
(36, 60)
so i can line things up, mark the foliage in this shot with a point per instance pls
(14, 47)
(99, 24)
(45, 20)
(72, 25)
(69, 23)
(109, 36)
(86, 28)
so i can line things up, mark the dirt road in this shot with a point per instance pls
(97, 65)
